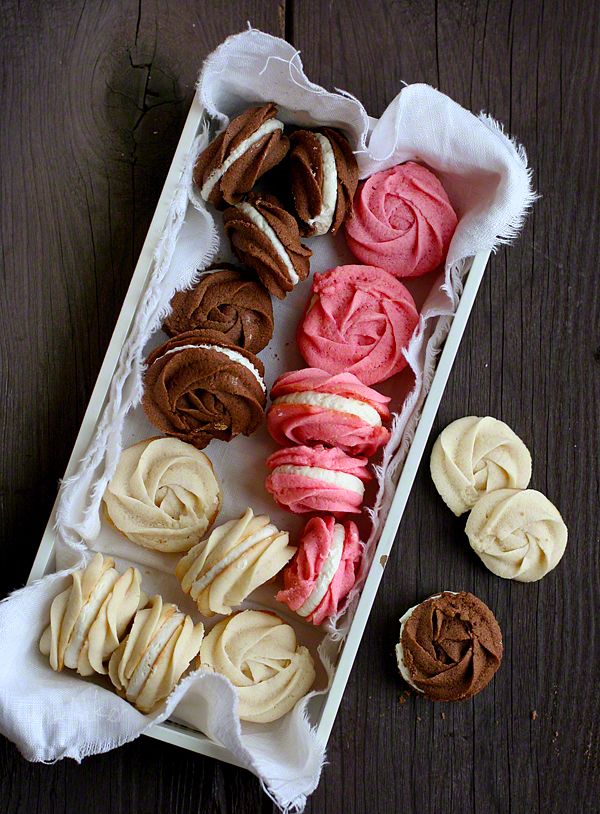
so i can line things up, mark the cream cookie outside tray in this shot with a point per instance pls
(243, 483)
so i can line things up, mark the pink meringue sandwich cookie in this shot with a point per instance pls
(317, 479)
(311, 405)
(324, 569)
(403, 221)
(359, 320)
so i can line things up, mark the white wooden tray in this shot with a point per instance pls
(323, 708)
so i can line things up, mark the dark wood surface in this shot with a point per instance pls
(94, 96)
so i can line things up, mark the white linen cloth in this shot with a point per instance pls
(50, 715)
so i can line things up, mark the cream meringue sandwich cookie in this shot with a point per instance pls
(518, 534)
(258, 652)
(251, 145)
(89, 619)
(474, 456)
(163, 495)
(221, 571)
(149, 662)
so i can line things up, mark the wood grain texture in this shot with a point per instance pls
(94, 97)
(529, 357)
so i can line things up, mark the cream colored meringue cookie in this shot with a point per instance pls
(152, 658)
(474, 456)
(259, 654)
(88, 619)
(518, 533)
(164, 494)
(236, 558)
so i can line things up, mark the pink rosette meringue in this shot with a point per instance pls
(323, 570)
(403, 221)
(360, 320)
(310, 406)
(317, 479)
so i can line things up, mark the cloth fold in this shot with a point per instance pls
(50, 715)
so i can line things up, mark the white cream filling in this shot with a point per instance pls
(231, 354)
(200, 584)
(328, 571)
(322, 222)
(268, 127)
(329, 401)
(342, 479)
(146, 663)
(404, 671)
(87, 615)
(261, 223)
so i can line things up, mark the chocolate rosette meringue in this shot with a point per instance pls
(198, 387)
(324, 177)
(227, 300)
(266, 238)
(251, 145)
(450, 646)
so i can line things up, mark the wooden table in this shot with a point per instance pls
(94, 98)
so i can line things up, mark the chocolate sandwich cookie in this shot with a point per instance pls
(324, 177)
(266, 238)
(450, 646)
(229, 301)
(198, 387)
(251, 145)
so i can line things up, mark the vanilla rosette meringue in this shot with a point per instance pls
(518, 533)
(152, 658)
(259, 654)
(221, 571)
(473, 456)
(164, 494)
(88, 620)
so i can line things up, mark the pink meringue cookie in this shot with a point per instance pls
(360, 320)
(403, 221)
(311, 405)
(317, 479)
(324, 569)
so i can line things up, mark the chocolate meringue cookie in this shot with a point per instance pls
(251, 145)
(198, 387)
(152, 658)
(324, 177)
(227, 300)
(450, 646)
(266, 238)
